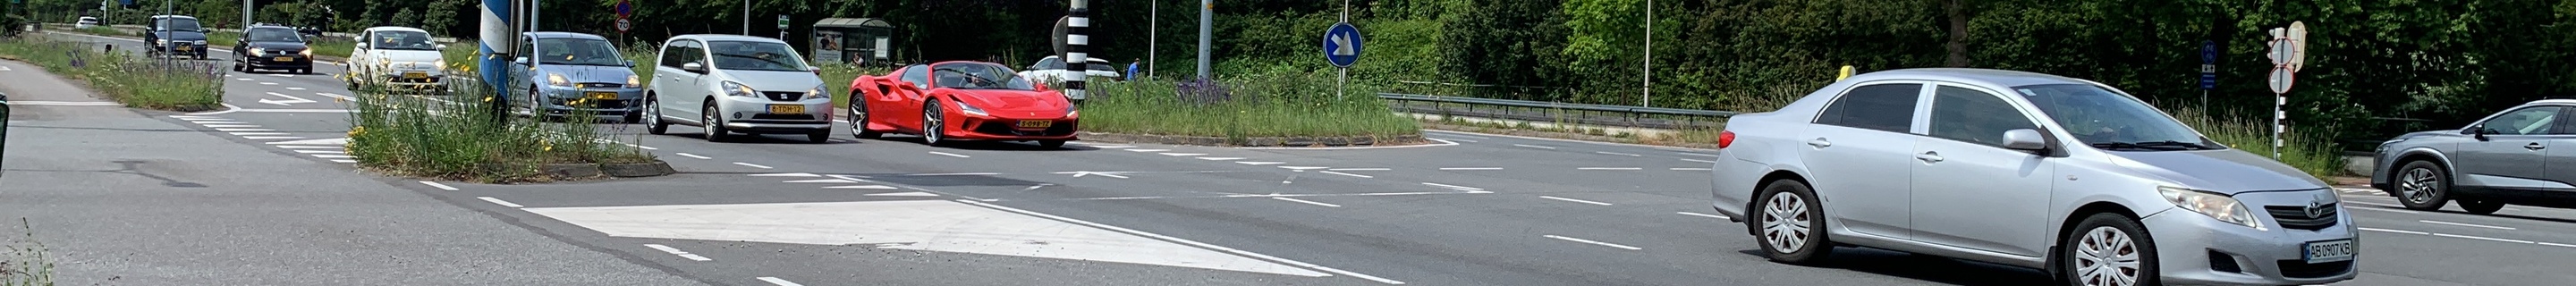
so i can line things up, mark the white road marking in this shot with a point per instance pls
(1112, 146)
(1574, 200)
(1470, 169)
(294, 88)
(784, 174)
(1220, 158)
(1346, 174)
(311, 147)
(949, 154)
(1443, 142)
(226, 125)
(2378, 204)
(1257, 163)
(270, 137)
(779, 282)
(1592, 242)
(1360, 169)
(1464, 140)
(752, 165)
(1465, 136)
(1301, 168)
(267, 83)
(1609, 168)
(1534, 146)
(1695, 154)
(2388, 210)
(1698, 160)
(282, 75)
(676, 251)
(2557, 244)
(438, 185)
(65, 103)
(183, 117)
(2393, 230)
(2483, 238)
(1702, 215)
(955, 174)
(871, 187)
(1147, 150)
(329, 156)
(1458, 187)
(904, 194)
(1616, 153)
(344, 161)
(1690, 169)
(2466, 225)
(1183, 241)
(826, 181)
(219, 122)
(258, 133)
(242, 79)
(1182, 154)
(693, 156)
(1305, 201)
(1079, 174)
(243, 129)
(320, 152)
(328, 141)
(500, 202)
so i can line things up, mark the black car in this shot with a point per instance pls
(174, 36)
(270, 47)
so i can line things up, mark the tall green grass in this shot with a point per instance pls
(460, 138)
(2309, 151)
(182, 85)
(28, 262)
(1270, 105)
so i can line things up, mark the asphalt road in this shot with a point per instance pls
(1475, 210)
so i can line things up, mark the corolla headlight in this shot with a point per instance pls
(258, 51)
(737, 89)
(2215, 205)
(631, 81)
(818, 92)
(970, 109)
(558, 80)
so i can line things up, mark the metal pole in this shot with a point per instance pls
(2279, 119)
(1345, 72)
(1153, 32)
(1648, 98)
(746, 17)
(1207, 22)
(246, 10)
(1077, 49)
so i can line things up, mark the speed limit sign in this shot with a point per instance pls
(622, 25)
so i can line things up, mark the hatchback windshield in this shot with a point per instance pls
(760, 56)
(179, 24)
(978, 76)
(403, 40)
(571, 51)
(272, 35)
(2110, 120)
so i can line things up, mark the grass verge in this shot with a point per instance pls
(460, 139)
(2309, 151)
(28, 262)
(179, 85)
(1275, 105)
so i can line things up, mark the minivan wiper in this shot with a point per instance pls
(2127, 145)
(2171, 143)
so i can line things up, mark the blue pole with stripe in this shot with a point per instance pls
(497, 33)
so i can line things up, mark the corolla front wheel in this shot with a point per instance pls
(2423, 186)
(2108, 249)
(1791, 224)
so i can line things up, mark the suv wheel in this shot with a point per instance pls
(1791, 223)
(2108, 249)
(2423, 186)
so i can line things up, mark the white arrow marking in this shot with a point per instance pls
(822, 181)
(290, 99)
(1079, 174)
(1342, 45)
(877, 187)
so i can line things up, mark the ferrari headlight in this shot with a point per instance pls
(1071, 111)
(631, 81)
(2216, 206)
(970, 109)
(558, 80)
(737, 89)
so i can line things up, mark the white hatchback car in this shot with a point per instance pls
(737, 84)
(400, 57)
(2066, 175)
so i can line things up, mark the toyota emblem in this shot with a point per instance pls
(2316, 209)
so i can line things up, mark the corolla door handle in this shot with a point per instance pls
(2534, 146)
(1820, 142)
(1929, 157)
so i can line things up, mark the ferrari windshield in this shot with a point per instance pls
(575, 51)
(978, 76)
(403, 40)
(2106, 119)
(759, 56)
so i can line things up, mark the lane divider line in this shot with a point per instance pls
(1695, 154)
(1147, 150)
(344, 161)
(1258, 163)
(949, 154)
(779, 282)
(1182, 154)
(752, 165)
(1183, 241)
(676, 251)
(786, 175)
(1701, 161)
(1690, 169)
(1609, 168)
(1220, 158)
(438, 185)
(1534, 146)
(694, 156)
(1305, 201)
(1574, 200)
(1359, 169)
(1346, 174)
(1470, 169)
(1613, 245)
(500, 202)
(1702, 215)
(1616, 153)
(2466, 225)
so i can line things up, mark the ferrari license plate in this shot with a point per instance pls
(285, 59)
(601, 95)
(1036, 123)
(415, 75)
(786, 109)
(2327, 251)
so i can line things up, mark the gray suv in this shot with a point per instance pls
(2065, 175)
(2502, 159)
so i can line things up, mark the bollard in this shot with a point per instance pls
(110, 48)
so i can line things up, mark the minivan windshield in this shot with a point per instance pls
(576, 51)
(759, 56)
(2106, 119)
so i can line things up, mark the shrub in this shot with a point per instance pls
(462, 139)
(181, 85)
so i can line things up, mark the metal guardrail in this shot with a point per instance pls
(1587, 114)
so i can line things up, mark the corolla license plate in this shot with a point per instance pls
(601, 95)
(415, 75)
(286, 59)
(786, 109)
(1037, 123)
(2327, 251)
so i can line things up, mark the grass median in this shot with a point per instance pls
(27, 262)
(179, 85)
(458, 137)
(1287, 104)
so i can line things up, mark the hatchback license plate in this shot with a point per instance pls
(285, 59)
(602, 95)
(786, 109)
(415, 75)
(2327, 251)
(1037, 123)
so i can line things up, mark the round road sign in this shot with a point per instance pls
(622, 25)
(2281, 79)
(1342, 45)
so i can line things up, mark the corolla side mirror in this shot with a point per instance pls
(2024, 139)
(694, 67)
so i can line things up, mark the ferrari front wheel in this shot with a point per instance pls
(859, 120)
(932, 124)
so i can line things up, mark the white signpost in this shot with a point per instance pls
(2289, 52)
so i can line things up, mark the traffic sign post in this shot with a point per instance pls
(2289, 51)
(1342, 46)
(2208, 70)
(782, 27)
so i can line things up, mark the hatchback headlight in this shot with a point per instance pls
(818, 92)
(737, 89)
(2217, 206)
(558, 80)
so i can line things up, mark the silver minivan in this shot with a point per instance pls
(728, 84)
(2070, 176)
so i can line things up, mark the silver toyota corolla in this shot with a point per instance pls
(2507, 158)
(2061, 174)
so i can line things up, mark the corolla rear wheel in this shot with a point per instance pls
(859, 120)
(2108, 249)
(932, 124)
(2423, 186)
(1790, 224)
